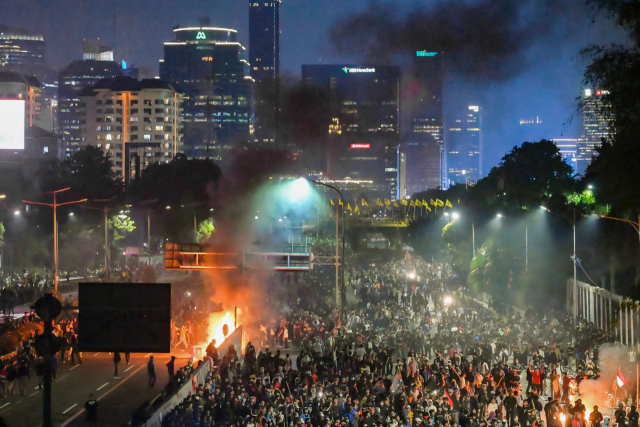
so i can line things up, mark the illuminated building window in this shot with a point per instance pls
(109, 137)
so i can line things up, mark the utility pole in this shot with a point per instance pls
(55, 205)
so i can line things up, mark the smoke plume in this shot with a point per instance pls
(601, 391)
(484, 39)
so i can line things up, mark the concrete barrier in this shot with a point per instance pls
(200, 374)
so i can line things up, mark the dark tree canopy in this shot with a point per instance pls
(181, 181)
(531, 175)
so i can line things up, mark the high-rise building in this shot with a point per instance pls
(22, 51)
(363, 134)
(206, 64)
(96, 52)
(137, 122)
(568, 149)
(464, 146)
(264, 60)
(422, 116)
(15, 86)
(596, 127)
(71, 81)
(424, 153)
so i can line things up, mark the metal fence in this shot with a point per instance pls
(608, 311)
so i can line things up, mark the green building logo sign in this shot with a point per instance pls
(201, 36)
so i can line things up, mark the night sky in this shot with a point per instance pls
(546, 83)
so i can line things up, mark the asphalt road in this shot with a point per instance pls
(118, 398)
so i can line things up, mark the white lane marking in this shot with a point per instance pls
(155, 398)
(70, 408)
(103, 386)
(77, 366)
(33, 394)
(147, 355)
(96, 354)
(8, 403)
(77, 414)
(130, 367)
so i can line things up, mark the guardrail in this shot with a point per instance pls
(200, 374)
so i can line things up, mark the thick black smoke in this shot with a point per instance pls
(484, 39)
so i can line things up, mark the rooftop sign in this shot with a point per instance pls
(348, 70)
(425, 53)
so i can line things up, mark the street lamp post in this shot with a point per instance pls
(574, 258)
(635, 225)
(339, 286)
(55, 205)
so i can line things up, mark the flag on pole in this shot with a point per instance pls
(418, 203)
(349, 206)
(424, 203)
(380, 203)
(403, 202)
(448, 204)
(364, 202)
(332, 204)
(387, 202)
(357, 210)
(439, 202)
(396, 204)
(620, 379)
(433, 203)
(341, 204)
(449, 401)
(412, 203)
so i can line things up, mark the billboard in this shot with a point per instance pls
(12, 124)
(126, 317)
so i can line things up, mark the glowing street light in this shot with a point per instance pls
(455, 215)
(3, 196)
(16, 212)
(499, 215)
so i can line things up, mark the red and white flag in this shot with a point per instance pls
(621, 380)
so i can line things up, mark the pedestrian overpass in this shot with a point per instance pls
(294, 256)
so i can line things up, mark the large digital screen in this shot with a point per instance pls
(126, 317)
(12, 124)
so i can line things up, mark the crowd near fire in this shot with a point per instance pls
(413, 349)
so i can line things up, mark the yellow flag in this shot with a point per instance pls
(332, 204)
(364, 203)
(357, 210)
(448, 204)
(341, 204)
(439, 202)
(396, 204)
(433, 203)
(418, 204)
(424, 203)
(403, 202)
(428, 208)
(380, 203)
(412, 203)
(387, 202)
(349, 206)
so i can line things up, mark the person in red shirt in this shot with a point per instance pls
(536, 379)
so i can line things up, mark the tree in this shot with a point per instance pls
(531, 175)
(206, 229)
(88, 171)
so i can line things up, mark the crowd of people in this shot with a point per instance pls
(408, 352)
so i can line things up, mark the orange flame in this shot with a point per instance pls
(215, 327)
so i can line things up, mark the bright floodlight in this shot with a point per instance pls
(446, 214)
(168, 207)
(70, 213)
(590, 187)
(411, 275)
(500, 216)
(300, 189)
(16, 213)
(455, 215)
(543, 207)
(448, 299)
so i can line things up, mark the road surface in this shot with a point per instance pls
(118, 398)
